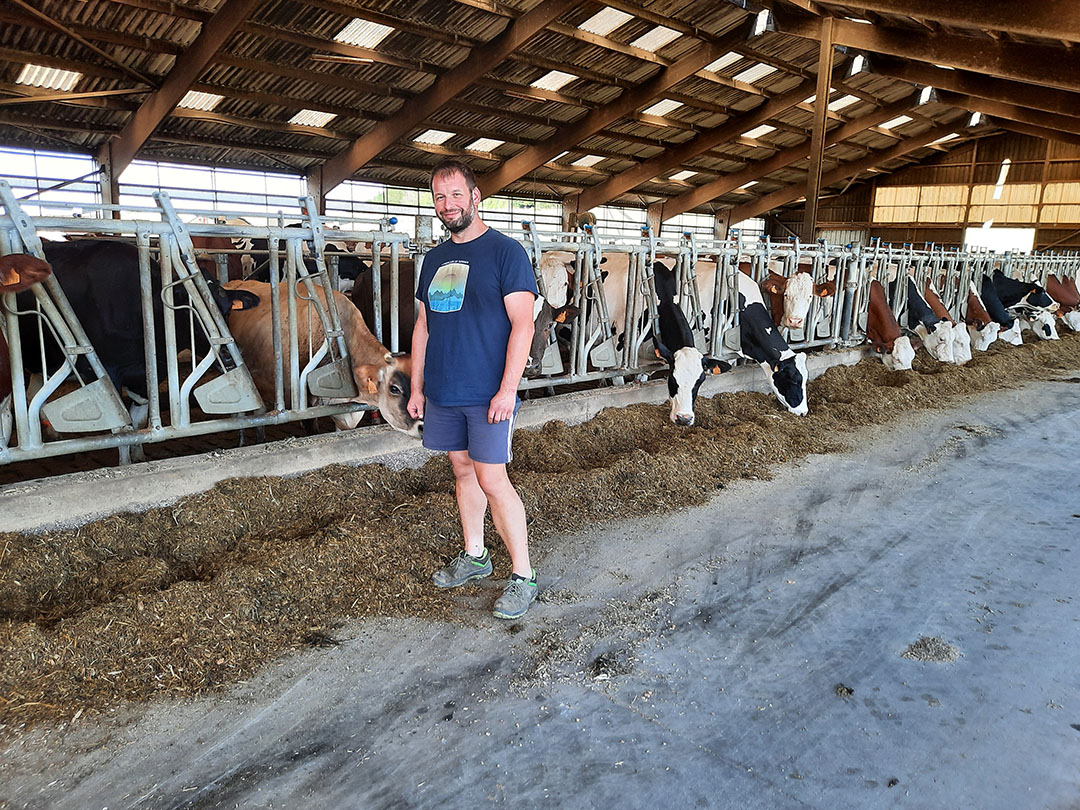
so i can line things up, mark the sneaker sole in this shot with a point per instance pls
(466, 581)
(498, 614)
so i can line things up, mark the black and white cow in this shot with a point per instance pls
(761, 342)
(1029, 301)
(936, 333)
(675, 346)
(1009, 326)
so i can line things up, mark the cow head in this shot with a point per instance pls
(1012, 334)
(961, 344)
(556, 275)
(1072, 320)
(939, 342)
(544, 321)
(798, 291)
(981, 338)
(388, 386)
(788, 382)
(901, 356)
(688, 370)
(1041, 322)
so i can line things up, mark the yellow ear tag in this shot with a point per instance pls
(372, 388)
(657, 353)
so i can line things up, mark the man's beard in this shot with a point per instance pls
(459, 225)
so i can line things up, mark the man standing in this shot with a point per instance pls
(469, 348)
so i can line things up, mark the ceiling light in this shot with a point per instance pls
(553, 80)
(605, 21)
(1002, 175)
(682, 176)
(484, 144)
(47, 77)
(859, 20)
(858, 65)
(194, 100)
(763, 22)
(656, 39)
(662, 107)
(588, 160)
(900, 120)
(312, 118)
(434, 136)
(755, 73)
(927, 94)
(757, 132)
(363, 33)
(975, 120)
(729, 58)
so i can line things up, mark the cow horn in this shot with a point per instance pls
(389, 358)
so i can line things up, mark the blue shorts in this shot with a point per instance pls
(465, 427)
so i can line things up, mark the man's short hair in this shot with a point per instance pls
(451, 166)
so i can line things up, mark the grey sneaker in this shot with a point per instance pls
(516, 598)
(461, 569)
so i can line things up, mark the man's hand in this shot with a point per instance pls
(416, 405)
(502, 406)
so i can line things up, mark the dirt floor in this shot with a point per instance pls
(190, 598)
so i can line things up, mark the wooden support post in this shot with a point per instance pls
(817, 139)
(722, 224)
(109, 178)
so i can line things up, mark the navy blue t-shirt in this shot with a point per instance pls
(462, 287)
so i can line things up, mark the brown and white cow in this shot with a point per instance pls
(382, 378)
(790, 297)
(1068, 298)
(883, 331)
(982, 329)
(18, 271)
(961, 340)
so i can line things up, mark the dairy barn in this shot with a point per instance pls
(797, 448)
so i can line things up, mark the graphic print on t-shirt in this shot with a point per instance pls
(447, 290)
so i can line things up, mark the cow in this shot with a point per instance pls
(100, 279)
(961, 340)
(1009, 331)
(883, 331)
(936, 334)
(350, 267)
(382, 379)
(546, 318)
(363, 298)
(675, 345)
(790, 297)
(18, 272)
(1064, 292)
(760, 341)
(239, 265)
(1030, 302)
(982, 329)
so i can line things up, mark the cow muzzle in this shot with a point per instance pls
(684, 419)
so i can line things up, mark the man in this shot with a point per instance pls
(469, 348)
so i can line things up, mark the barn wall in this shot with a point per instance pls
(937, 199)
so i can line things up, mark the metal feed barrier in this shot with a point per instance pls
(77, 397)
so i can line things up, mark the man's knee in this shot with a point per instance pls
(462, 464)
(493, 478)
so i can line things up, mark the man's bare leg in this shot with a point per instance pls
(471, 500)
(507, 513)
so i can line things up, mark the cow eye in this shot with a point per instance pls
(395, 390)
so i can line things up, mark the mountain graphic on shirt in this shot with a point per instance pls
(446, 293)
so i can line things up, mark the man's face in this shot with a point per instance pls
(455, 205)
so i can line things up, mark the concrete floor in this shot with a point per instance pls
(687, 660)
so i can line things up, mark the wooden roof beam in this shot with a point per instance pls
(1052, 19)
(1036, 64)
(755, 171)
(838, 175)
(1013, 112)
(120, 151)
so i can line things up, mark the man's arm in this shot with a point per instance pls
(419, 349)
(519, 309)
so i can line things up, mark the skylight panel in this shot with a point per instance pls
(656, 39)
(194, 100)
(434, 136)
(588, 160)
(363, 33)
(553, 80)
(745, 186)
(755, 73)
(605, 21)
(684, 175)
(560, 156)
(312, 118)
(728, 59)
(757, 132)
(484, 144)
(946, 138)
(843, 101)
(47, 77)
(662, 107)
(900, 120)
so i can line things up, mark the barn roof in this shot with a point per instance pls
(684, 104)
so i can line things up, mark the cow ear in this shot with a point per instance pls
(663, 352)
(825, 290)
(567, 313)
(367, 377)
(715, 366)
(773, 286)
(242, 299)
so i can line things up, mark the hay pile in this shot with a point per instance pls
(188, 598)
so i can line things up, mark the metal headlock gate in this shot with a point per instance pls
(89, 402)
(78, 397)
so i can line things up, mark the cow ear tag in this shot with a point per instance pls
(372, 388)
